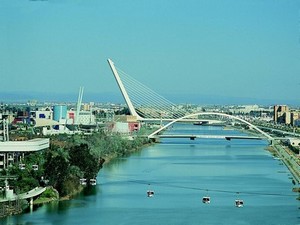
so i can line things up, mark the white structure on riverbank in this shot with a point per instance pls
(14, 151)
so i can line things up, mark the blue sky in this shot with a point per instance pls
(195, 51)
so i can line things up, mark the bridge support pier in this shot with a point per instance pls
(31, 201)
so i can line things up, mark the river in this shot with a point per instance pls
(181, 172)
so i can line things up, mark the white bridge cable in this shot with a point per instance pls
(138, 88)
(145, 102)
(138, 97)
(140, 102)
(143, 96)
(145, 87)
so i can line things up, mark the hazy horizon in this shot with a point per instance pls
(117, 98)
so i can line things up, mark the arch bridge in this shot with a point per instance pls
(155, 135)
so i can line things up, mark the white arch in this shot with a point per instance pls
(211, 113)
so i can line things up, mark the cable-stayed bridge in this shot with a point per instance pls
(147, 105)
(142, 101)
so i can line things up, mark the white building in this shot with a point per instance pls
(14, 151)
(86, 118)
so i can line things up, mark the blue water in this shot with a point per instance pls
(181, 172)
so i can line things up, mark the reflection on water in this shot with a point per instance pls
(181, 172)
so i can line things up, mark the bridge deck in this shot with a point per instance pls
(192, 136)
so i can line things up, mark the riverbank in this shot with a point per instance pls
(290, 162)
(286, 155)
(53, 194)
(69, 159)
(113, 156)
(289, 159)
(11, 208)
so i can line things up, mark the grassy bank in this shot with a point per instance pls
(289, 159)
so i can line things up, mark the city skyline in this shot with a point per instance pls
(188, 51)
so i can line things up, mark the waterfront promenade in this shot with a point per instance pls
(289, 159)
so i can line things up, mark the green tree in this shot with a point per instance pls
(81, 157)
(57, 167)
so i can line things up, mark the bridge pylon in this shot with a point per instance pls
(123, 90)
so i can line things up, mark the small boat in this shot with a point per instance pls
(200, 123)
(150, 193)
(206, 199)
(239, 203)
(197, 123)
